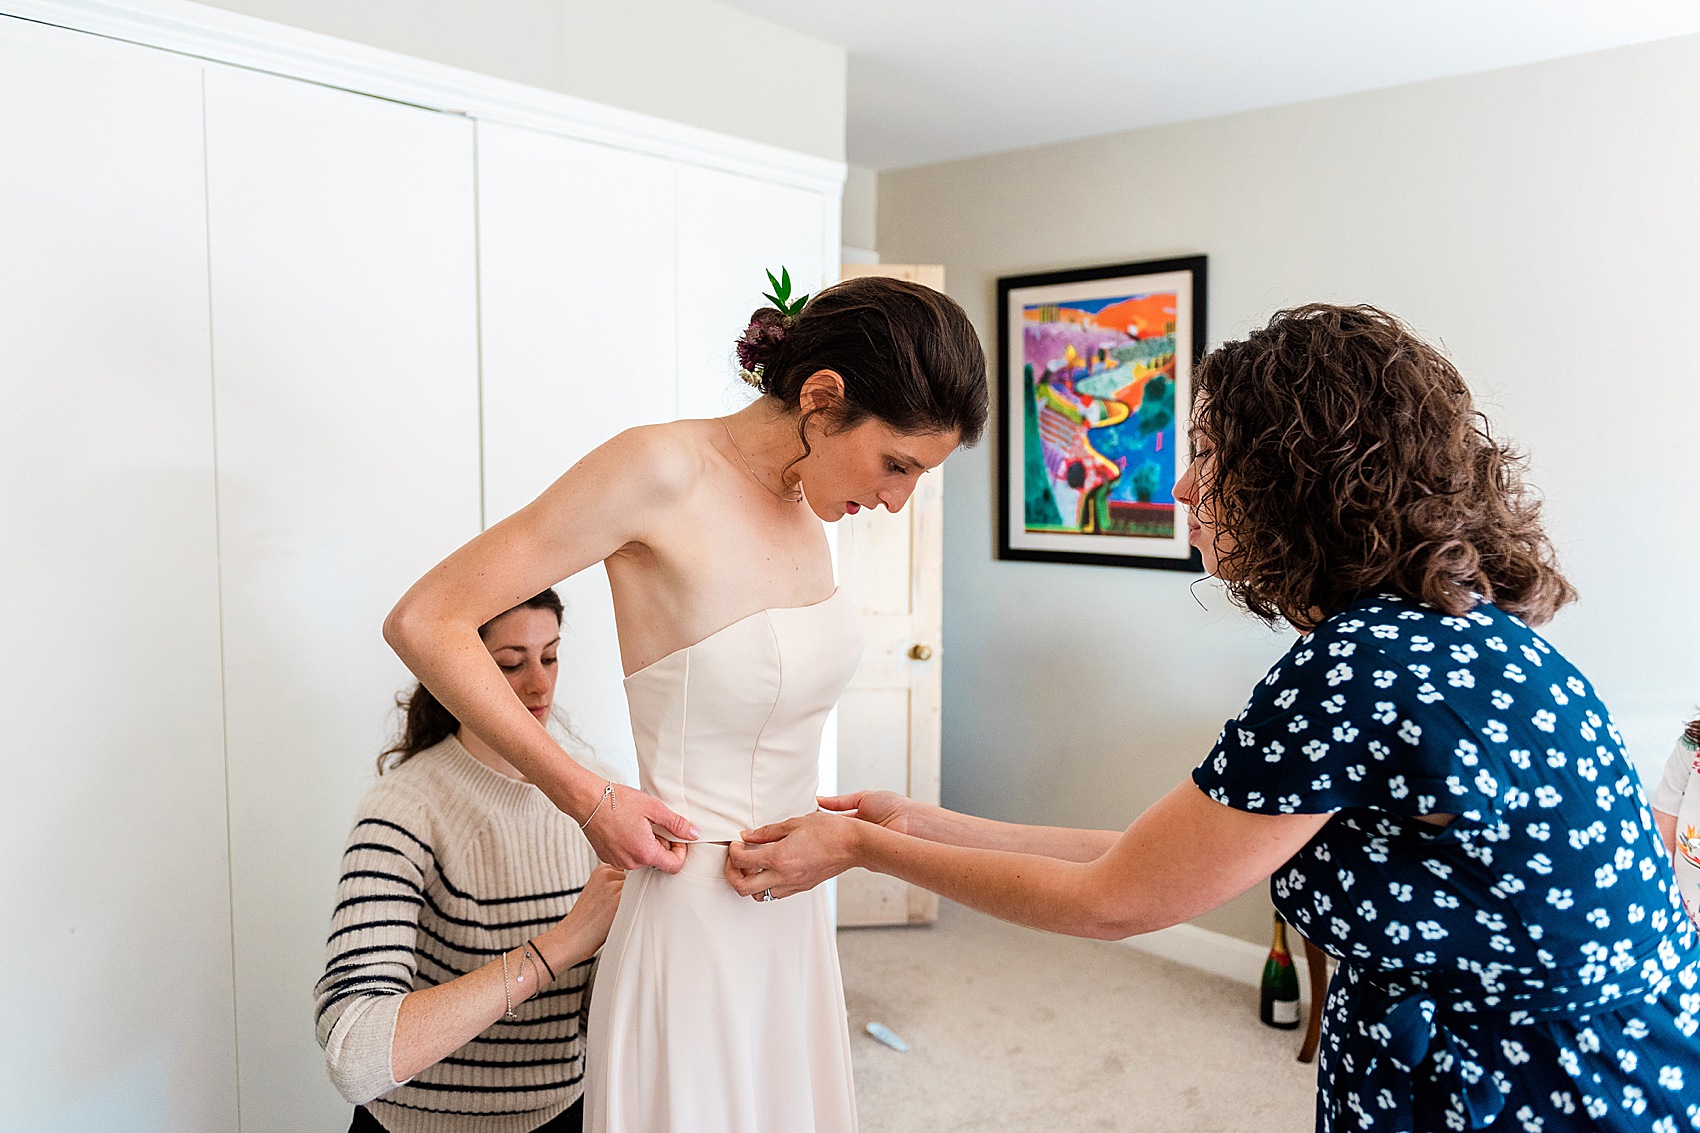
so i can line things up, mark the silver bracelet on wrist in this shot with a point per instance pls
(507, 997)
(607, 797)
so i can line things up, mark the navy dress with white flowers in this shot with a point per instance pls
(1527, 966)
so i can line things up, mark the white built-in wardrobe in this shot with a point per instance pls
(282, 322)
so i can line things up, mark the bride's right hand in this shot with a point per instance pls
(630, 831)
(882, 808)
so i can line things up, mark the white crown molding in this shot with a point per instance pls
(228, 37)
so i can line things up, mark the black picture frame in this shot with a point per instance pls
(1115, 532)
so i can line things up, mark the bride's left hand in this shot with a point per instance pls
(792, 856)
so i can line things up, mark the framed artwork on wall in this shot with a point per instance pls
(1094, 395)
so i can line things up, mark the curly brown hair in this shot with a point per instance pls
(1693, 732)
(1348, 457)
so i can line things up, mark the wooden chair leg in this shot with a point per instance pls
(1316, 960)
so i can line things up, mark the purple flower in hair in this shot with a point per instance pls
(767, 326)
(756, 344)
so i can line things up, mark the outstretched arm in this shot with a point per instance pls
(936, 824)
(1186, 855)
(605, 502)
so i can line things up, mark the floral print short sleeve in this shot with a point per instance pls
(1519, 960)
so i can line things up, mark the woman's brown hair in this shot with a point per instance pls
(424, 721)
(1350, 458)
(908, 355)
(1693, 733)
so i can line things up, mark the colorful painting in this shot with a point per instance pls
(1096, 370)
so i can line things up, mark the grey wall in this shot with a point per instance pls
(860, 213)
(691, 61)
(1542, 223)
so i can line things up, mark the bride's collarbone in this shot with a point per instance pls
(658, 619)
(709, 552)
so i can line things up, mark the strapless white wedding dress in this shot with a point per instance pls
(713, 1013)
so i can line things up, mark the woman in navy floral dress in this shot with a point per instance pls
(1441, 799)
(1531, 956)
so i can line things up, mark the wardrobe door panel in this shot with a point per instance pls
(576, 277)
(345, 363)
(732, 231)
(116, 1007)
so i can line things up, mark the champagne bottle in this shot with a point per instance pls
(1279, 1002)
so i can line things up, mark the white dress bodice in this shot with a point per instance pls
(728, 730)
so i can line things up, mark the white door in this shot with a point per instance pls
(345, 362)
(576, 280)
(889, 719)
(116, 1008)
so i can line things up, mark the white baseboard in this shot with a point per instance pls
(1216, 953)
(1213, 952)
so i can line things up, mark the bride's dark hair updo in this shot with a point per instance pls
(908, 355)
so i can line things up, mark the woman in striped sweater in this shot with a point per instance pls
(457, 971)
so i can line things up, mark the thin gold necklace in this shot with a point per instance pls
(750, 468)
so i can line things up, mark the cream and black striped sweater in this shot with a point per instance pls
(448, 865)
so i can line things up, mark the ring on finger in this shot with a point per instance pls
(767, 894)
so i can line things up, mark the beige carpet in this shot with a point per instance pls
(1020, 1030)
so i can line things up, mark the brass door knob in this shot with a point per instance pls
(920, 653)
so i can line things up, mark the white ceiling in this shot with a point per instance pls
(936, 80)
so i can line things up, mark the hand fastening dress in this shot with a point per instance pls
(714, 1013)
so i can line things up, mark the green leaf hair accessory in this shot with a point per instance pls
(781, 296)
(767, 329)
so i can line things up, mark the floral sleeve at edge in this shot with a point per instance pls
(1335, 724)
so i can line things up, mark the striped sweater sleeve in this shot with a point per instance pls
(370, 957)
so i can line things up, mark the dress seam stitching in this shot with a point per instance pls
(761, 733)
(685, 731)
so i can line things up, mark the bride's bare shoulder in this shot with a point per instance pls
(667, 458)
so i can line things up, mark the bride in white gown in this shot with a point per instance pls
(712, 1013)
